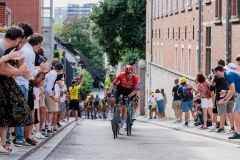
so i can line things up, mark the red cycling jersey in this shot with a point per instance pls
(123, 82)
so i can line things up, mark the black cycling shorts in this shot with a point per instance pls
(121, 91)
(74, 105)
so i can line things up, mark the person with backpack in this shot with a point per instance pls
(206, 102)
(187, 98)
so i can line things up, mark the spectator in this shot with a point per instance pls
(160, 103)
(233, 81)
(187, 98)
(165, 102)
(12, 98)
(177, 102)
(150, 107)
(198, 114)
(214, 110)
(154, 105)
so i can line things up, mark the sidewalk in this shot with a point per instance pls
(191, 129)
(19, 153)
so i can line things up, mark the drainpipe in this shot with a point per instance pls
(227, 32)
(150, 70)
(199, 33)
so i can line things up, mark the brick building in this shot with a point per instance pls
(26, 11)
(172, 39)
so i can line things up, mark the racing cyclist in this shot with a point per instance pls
(125, 84)
(108, 81)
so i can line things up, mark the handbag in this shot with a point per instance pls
(208, 92)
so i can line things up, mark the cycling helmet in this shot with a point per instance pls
(183, 80)
(129, 68)
(112, 74)
(97, 95)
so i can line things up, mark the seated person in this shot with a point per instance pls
(198, 115)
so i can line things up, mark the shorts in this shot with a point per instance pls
(50, 104)
(215, 110)
(74, 105)
(177, 105)
(36, 92)
(160, 105)
(237, 104)
(121, 91)
(225, 108)
(149, 107)
(42, 101)
(62, 106)
(187, 105)
(57, 105)
(206, 103)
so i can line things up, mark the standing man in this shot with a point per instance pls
(74, 103)
(233, 81)
(177, 102)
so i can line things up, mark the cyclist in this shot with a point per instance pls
(108, 81)
(96, 102)
(125, 84)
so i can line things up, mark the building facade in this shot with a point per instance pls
(75, 9)
(60, 14)
(172, 40)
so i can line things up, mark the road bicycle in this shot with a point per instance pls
(116, 121)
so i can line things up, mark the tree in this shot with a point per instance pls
(78, 28)
(87, 85)
(119, 28)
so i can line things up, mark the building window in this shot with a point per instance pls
(173, 33)
(238, 8)
(183, 6)
(176, 59)
(189, 3)
(158, 8)
(208, 50)
(171, 6)
(176, 7)
(159, 33)
(193, 32)
(189, 61)
(179, 33)
(162, 7)
(166, 11)
(218, 7)
(154, 9)
(182, 67)
(185, 32)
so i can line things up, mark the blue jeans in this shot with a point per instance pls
(19, 130)
(160, 105)
(187, 105)
(200, 118)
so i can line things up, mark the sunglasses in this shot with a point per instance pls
(127, 73)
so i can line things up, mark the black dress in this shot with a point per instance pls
(14, 110)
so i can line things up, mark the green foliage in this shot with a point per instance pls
(58, 54)
(58, 28)
(78, 28)
(87, 85)
(119, 28)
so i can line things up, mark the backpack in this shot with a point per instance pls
(187, 92)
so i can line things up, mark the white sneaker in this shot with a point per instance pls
(120, 131)
(124, 125)
(212, 129)
(110, 116)
(176, 121)
(134, 117)
(39, 136)
(77, 123)
(67, 121)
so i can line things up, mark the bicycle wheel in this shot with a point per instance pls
(128, 122)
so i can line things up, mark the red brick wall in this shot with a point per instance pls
(189, 18)
(3, 13)
(26, 11)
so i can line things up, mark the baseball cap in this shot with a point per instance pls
(58, 66)
(231, 67)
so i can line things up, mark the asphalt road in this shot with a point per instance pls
(93, 140)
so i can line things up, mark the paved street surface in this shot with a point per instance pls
(93, 139)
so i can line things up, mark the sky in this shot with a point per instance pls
(64, 3)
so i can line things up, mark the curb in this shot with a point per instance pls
(33, 149)
(208, 136)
